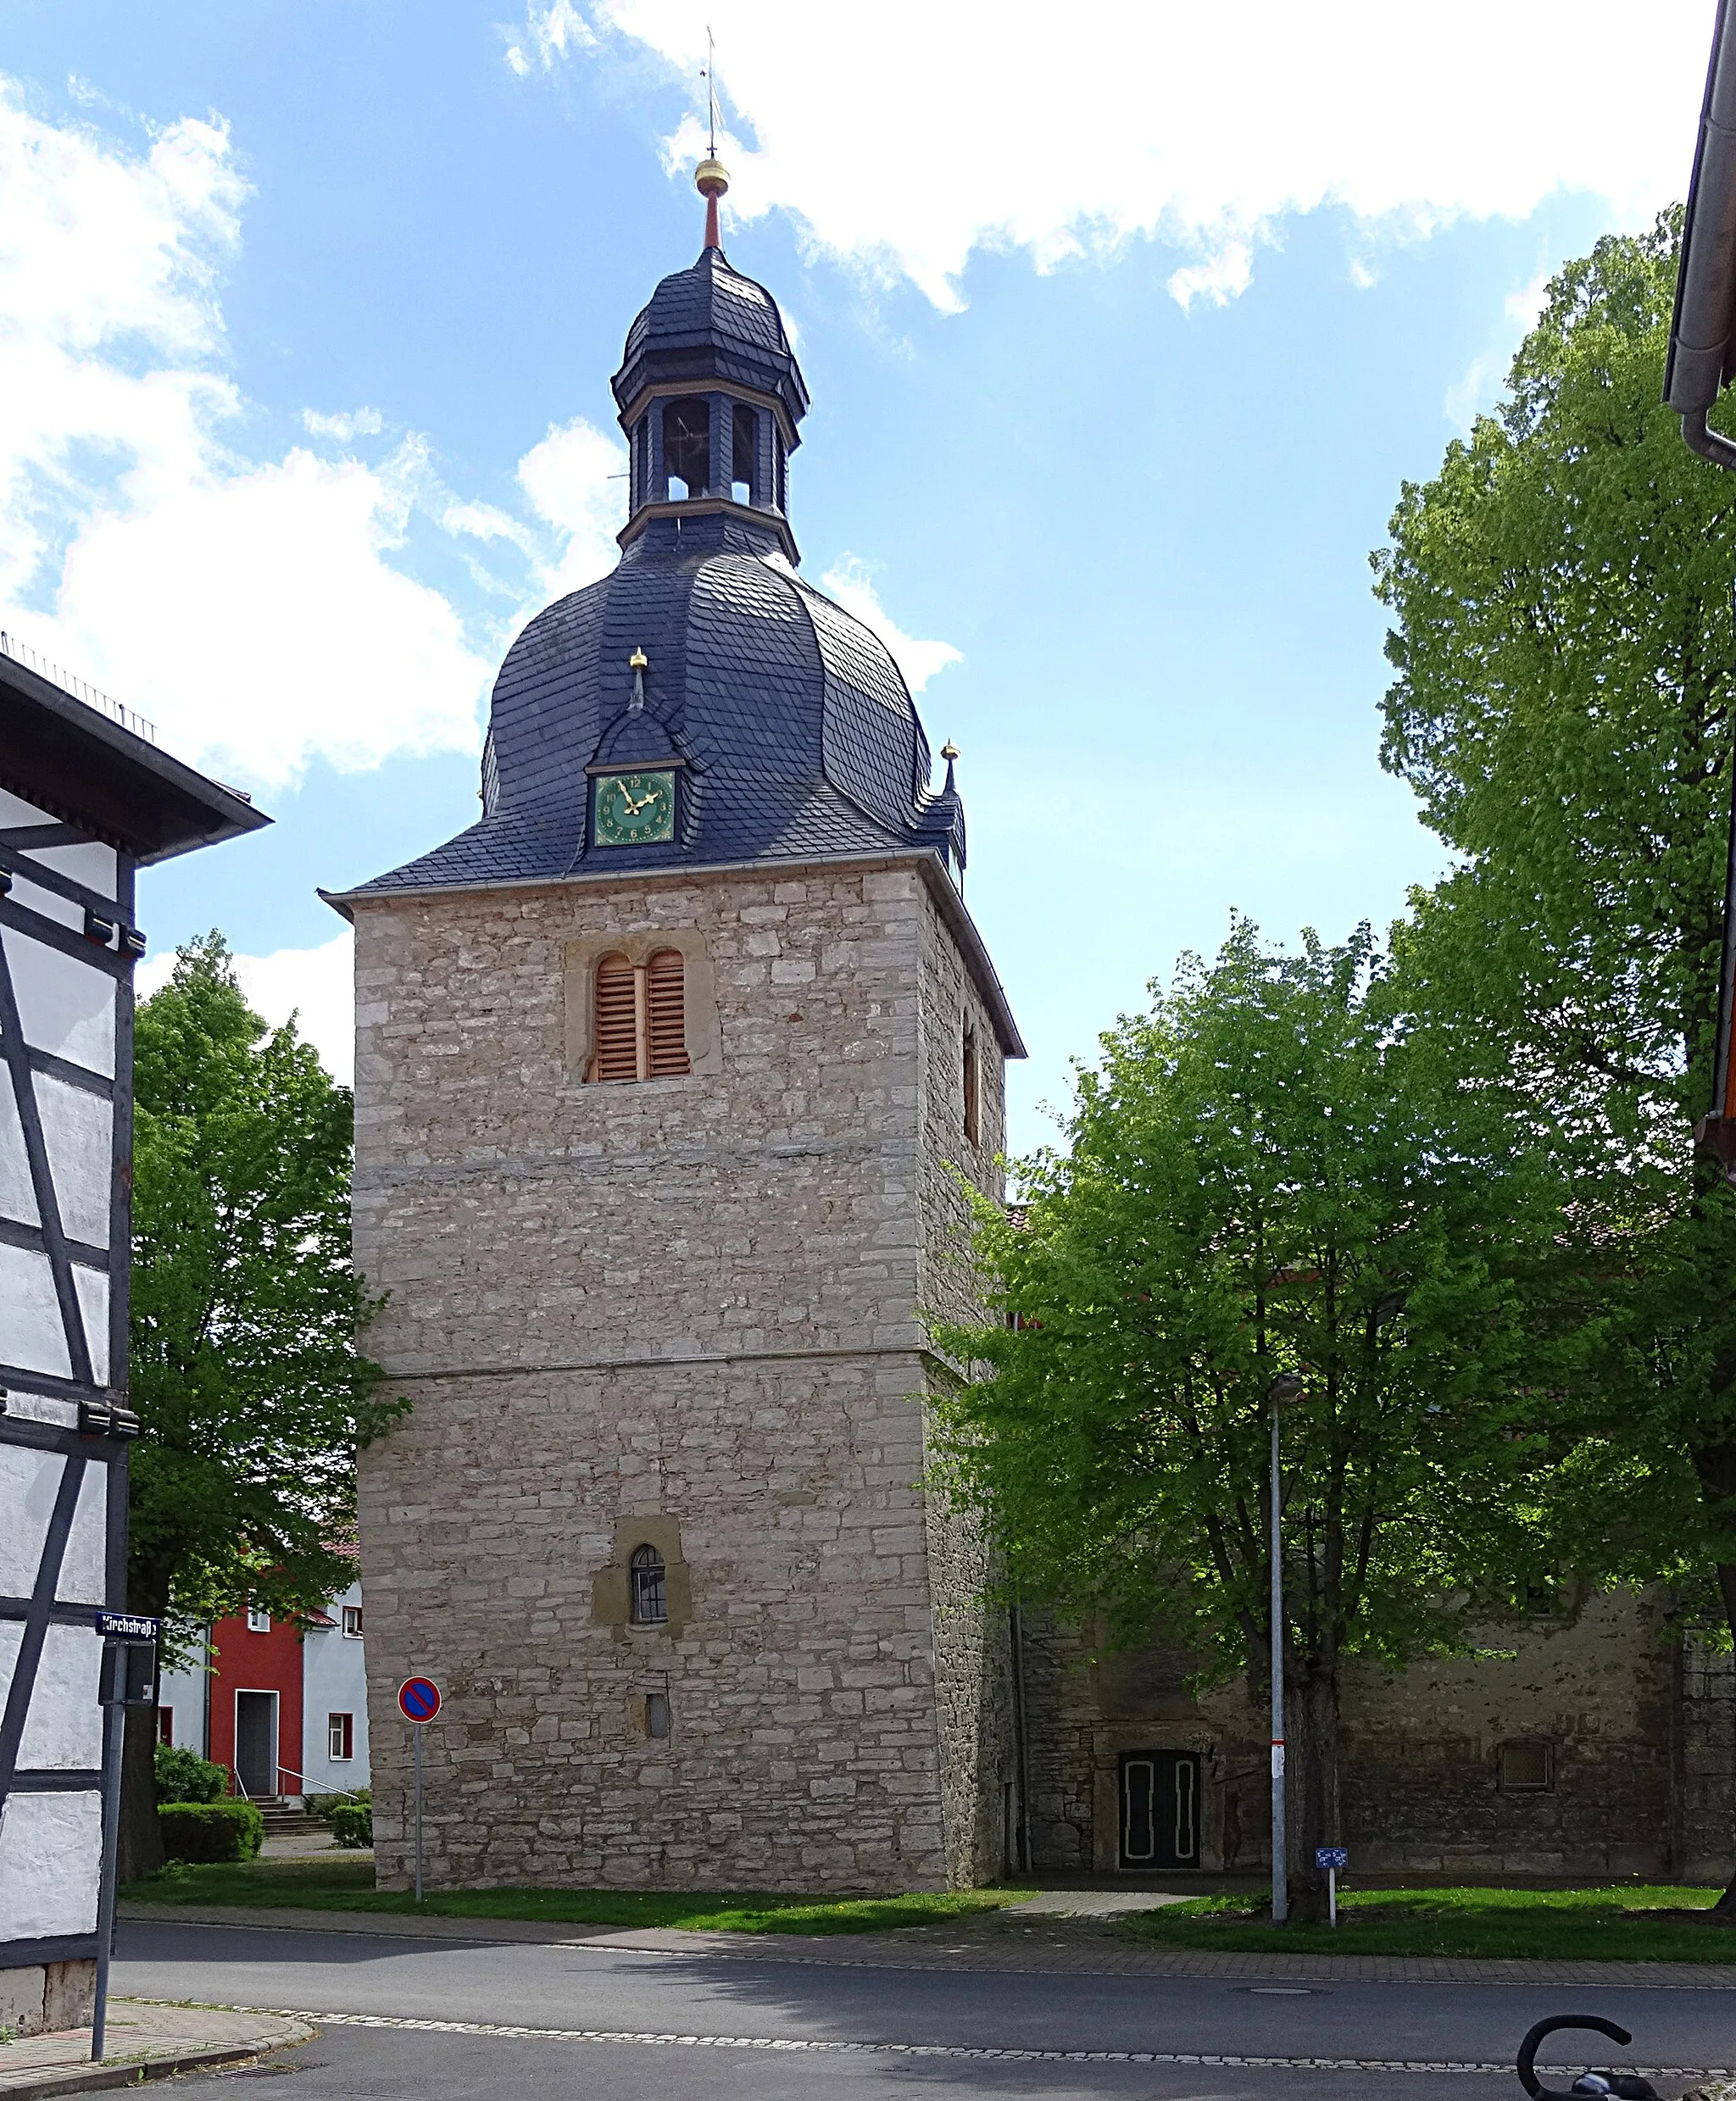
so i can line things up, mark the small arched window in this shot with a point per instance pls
(640, 1018)
(972, 1079)
(648, 1588)
(687, 445)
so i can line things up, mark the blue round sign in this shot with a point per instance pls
(419, 1699)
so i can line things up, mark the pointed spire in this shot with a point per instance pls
(949, 752)
(638, 664)
(711, 180)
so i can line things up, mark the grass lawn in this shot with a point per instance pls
(1564, 1924)
(336, 1884)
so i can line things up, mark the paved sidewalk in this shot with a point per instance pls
(154, 2039)
(999, 1942)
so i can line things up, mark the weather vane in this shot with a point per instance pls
(711, 91)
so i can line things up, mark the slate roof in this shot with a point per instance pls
(789, 728)
(709, 322)
(795, 735)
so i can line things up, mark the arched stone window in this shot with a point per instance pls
(648, 1594)
(639, 1018)
(687, 446)
(972, 1079)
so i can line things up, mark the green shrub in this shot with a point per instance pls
(322, 1805)
(182, 1775)
(352, 1824)
(211, 1831)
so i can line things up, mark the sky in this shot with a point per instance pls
(1124, 324)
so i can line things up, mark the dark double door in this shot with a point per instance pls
(1159, 1809)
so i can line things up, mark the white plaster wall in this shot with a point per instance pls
(78, 1130)
(29, 1480)
(183, 1689)
(83, 1566)
(64, 1005)
(31, 1333)
(51, 1848)
(64, 1727)
(92, 864)
(91, 1286)
(334, 1682)
(18, 1195)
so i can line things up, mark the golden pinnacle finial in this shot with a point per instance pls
(638, 661)
(711, 177)
(949, 751)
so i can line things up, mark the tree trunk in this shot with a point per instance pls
(1312, 1803)
(140, 1837)
(1717, 1469)
(140, 1844)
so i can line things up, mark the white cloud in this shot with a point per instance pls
(851, 582)
(1479, 387)
(1068, 133)
(250, 609)
(317, 986)
(342, 428)
(549, 32)
(575, 481)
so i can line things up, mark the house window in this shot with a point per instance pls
(353, 1623)
(166, 1724)
(640, 1016)
(341, 1736)
(259, 1620)
(1526, 1768)
(971, 1083)
(647, 1592)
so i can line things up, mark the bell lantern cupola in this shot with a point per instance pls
(710, 395)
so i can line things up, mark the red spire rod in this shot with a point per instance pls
(714, 239)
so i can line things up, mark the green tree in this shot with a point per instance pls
(1263, 1175)
(251, 1393)
(1561, 596)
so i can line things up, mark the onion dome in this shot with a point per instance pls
(704, 678)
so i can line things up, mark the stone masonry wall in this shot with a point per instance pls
(973, 1658)
(694, 1297)
(1642, 1737)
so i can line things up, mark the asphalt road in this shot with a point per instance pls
(781, 2030)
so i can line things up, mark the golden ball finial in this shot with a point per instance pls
(638, 661)
(711, 177)
(949, 751)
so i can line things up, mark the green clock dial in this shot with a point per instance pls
(634, 808)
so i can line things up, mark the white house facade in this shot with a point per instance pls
(85, 800)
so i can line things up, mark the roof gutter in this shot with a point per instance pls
(1702, 360)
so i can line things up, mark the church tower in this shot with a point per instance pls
(665, 1069)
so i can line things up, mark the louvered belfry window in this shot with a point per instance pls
(640, 1018)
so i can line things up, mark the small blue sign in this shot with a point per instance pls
(1332, 1857)
(128, 1626)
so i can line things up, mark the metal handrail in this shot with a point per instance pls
(80, 689)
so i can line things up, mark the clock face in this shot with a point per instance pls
(634, 808)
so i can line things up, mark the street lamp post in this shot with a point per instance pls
(1286, 1387)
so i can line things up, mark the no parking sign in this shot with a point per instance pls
(419, 1699)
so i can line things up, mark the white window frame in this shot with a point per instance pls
(337, 1726)
(259, 1620)
(352, 1622)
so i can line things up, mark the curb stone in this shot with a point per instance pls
(184, 2052)
(1046, 1950)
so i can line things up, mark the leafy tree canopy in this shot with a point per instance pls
(251, 1393)
(1562, 638)
(1265, 1173)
